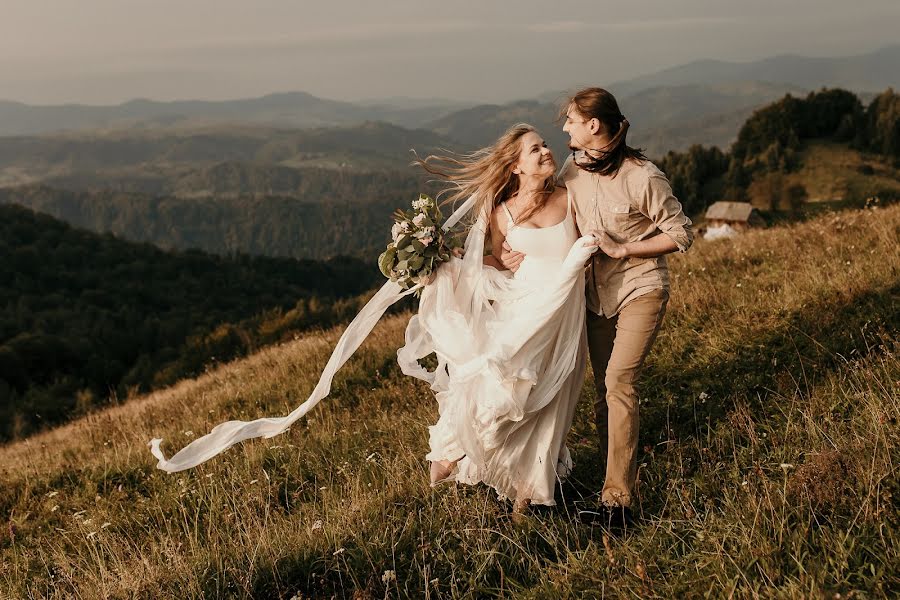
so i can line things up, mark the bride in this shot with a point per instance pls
(510, 347)
(514, 349)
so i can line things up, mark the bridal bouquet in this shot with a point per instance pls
(418, 244)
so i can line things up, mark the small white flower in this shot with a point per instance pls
(396, 230)
(418, 220)
(317, 525)
(388, 577)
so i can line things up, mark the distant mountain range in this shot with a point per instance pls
(700, 102)
(869, 72)
(165, 156)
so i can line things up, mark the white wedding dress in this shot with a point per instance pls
(511, 358)
(513, 376)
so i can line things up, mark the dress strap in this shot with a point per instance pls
(568, 203)
(508, 214)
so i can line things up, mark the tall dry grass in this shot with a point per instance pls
(768, 468)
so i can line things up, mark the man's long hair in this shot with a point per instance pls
(597, 103)
(488, 173)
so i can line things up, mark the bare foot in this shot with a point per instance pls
(520, 509)
(441, 469)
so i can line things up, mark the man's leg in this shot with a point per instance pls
(601, 333)
(636, 328)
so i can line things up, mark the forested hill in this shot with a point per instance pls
(85, 316)
(776, 162)
(351, 215)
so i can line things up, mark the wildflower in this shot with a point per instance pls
(703, 397)
(418, 220)
(317, 525)
(396, 230)
(388, 577)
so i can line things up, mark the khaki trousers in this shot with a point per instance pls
(618, 347)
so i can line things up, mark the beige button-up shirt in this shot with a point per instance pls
(635, 205)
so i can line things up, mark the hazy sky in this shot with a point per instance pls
(108, 51)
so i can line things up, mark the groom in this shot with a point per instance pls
(627, 203)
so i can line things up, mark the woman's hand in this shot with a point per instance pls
(511, 259)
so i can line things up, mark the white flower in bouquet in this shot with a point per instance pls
(418, 245)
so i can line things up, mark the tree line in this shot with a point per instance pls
(771, 139)
(88, 317)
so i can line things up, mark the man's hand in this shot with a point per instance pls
(609, 246)
(510, 258)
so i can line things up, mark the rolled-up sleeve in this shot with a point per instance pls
(659, 204)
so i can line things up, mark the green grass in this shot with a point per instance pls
(768, 468)
(834, 175)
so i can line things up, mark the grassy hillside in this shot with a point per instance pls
(832, 172)
(769, 461)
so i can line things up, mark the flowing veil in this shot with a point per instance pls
(455, 321)
(225, 435)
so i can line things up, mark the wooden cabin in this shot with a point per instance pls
(737, 215)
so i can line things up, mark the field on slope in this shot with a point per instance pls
(769, 461)
(832, 173)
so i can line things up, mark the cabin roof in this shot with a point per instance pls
(730, 211)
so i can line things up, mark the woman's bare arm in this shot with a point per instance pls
(498, 236)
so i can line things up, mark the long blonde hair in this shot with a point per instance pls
(488, 173)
